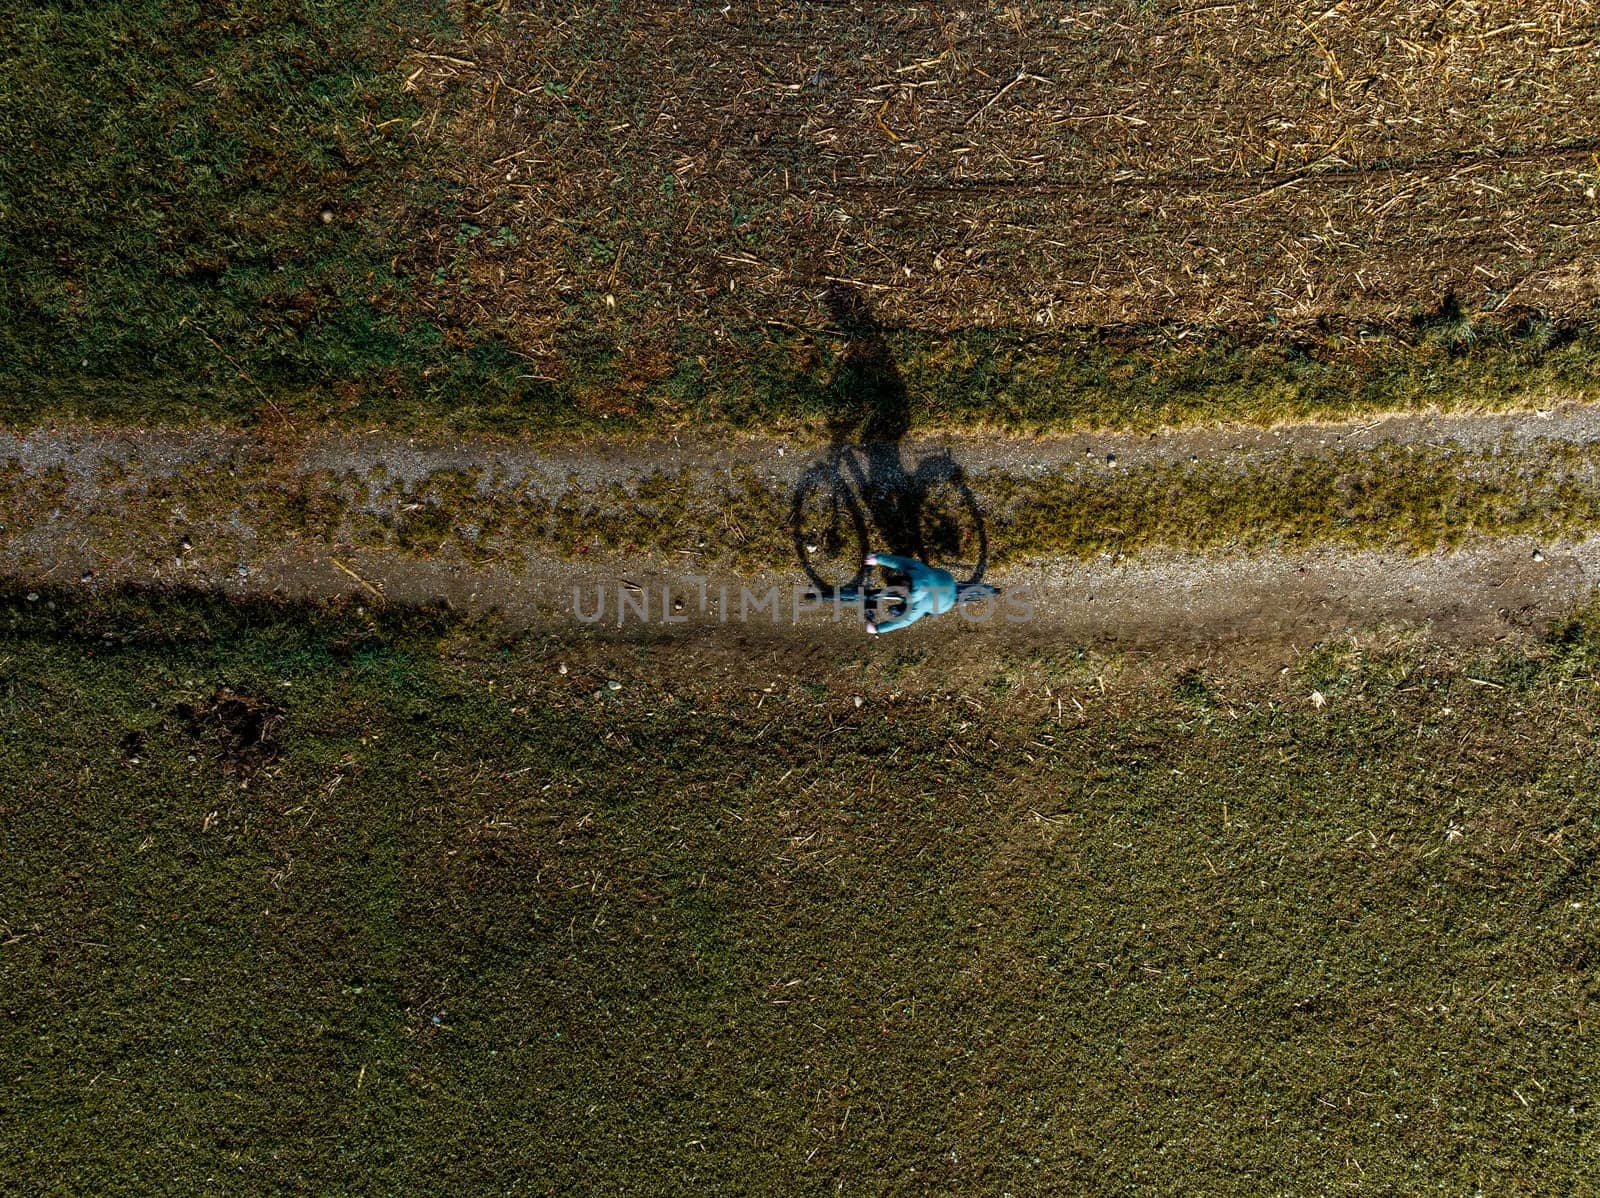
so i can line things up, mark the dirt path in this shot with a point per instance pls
(246, 514)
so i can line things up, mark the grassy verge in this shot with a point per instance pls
(1147, 379)
(1139, 380)
(335, 906)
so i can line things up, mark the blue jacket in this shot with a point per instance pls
(933, 591)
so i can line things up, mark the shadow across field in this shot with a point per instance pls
(862, 496)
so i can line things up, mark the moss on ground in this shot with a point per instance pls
(452, 923)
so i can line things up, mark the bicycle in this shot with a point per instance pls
(928, 513)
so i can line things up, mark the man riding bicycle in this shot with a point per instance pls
(931, 592)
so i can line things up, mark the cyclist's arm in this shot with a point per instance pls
(905, 565)
(915, 608)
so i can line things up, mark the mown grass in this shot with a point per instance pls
(475, 929)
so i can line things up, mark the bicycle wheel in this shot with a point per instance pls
(830, 532)
(950, 528)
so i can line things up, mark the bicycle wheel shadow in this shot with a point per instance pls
(862, 496)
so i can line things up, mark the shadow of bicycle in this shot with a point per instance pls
(862, 496)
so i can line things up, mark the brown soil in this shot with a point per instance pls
(659, 175)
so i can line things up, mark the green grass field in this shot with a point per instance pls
(304, 903)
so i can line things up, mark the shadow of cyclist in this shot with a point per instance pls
(862, 497)
(869, 410)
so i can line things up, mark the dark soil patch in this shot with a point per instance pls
(245, 731)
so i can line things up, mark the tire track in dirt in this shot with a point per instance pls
(1250, 185)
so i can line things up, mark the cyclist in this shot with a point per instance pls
(932, 592)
